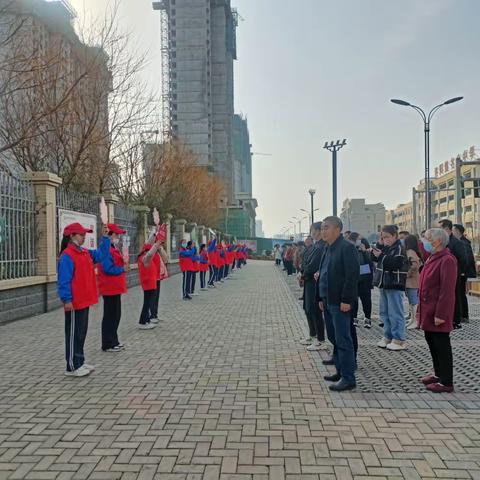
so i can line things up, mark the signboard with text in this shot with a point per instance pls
(66, 217)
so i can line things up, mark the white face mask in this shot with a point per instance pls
(115, 241)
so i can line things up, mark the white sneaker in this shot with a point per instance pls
(194, 294)
(306, 341)
(383, 343)
(89, 367)
(315, 347)
(82, 371)
(147, 326)
(412, 325)
(396, 346)
(154, 320)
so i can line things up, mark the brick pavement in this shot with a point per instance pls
(221, 390)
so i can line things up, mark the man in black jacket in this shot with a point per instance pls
(458, 251)
(337, 290)
(311, 260)
(471, 267)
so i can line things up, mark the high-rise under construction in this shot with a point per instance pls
(198, 51)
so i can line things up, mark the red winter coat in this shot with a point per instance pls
(437, 292)
(112, 284)
(84, 283)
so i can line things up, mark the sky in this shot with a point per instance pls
(312, 71)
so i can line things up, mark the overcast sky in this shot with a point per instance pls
(315, 70)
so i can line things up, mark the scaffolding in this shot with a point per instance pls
(164, 8)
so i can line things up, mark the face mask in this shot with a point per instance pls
(115, 241)
(427, 246)
(184, 245)
(402, 241)
(358, 243)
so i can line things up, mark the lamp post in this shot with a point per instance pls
(294, 228)
(309, 213)
(312, 193)
(334, 148)
(426, 124)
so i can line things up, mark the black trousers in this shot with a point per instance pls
(148, 299)
(193, 282)
(112, 312)
(202, 279)
(76, 326)
(316, 324)
(365, 296)
(233, 265)
(155, 302)
(225, 272)
(459, 294)
(463, 296)
(278, 261)
(211, 278)
(442, 358)
(186, 284)
(289, 265)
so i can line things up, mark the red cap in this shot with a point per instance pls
(115, 229)
(75, 228)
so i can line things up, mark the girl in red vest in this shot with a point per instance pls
(77, 289)
(161, 261)
(203, 261)
(149, 272)
(195, 267)
(186, 266)
(112, 282)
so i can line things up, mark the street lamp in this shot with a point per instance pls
(426, 123)
(334, 148)
(312, 193)
(294, 228)
(309, 213)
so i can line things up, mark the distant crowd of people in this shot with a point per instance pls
(338, 270)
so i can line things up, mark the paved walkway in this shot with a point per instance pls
(221, 389)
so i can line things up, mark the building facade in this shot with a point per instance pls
(364, 218)
(242, 157)
(199, 54)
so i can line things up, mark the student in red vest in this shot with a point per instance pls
(186, 266)
(161, 261)
(212, 262)
(221, 262)
(195, 268)
(148, 271)
(112, 282)
(77, 289)
(204, 267)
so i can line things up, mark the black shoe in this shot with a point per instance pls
(380, 324)
(187, 297)
(332, 378)
(342, 385)
(328, 362)
(457, 326)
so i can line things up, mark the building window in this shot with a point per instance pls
(442, 186)
(451, 212)
(451, 198)
(468, 208)
(450, 183)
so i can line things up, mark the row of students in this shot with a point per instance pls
(215, 258)
(79, 286)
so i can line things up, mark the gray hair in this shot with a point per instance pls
(334, 221)
(438, 234)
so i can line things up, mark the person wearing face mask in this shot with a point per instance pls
(411, 285)
(77, 289)
(436, 309)
(186, 266)
(112, 283)
(390, 277)
(365, 284)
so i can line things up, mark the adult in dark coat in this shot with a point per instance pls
(436, 309)
(310, 263)
(471, 267)
(458, 250)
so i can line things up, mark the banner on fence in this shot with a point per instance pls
(66, 217)
(251, 244)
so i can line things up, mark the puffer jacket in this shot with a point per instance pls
(392, 268)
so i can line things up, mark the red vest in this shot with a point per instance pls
(148, 275)
(156, 261)
(186, 263)
(84, 283)
(112, 284)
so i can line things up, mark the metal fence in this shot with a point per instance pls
(128, 218)
(17, 228)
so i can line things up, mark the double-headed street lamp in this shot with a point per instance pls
(309, 213)
(426, 123)
(312, 193)
(334, 148)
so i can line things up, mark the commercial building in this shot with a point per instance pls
(364, 218)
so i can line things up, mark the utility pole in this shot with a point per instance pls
(334, 148)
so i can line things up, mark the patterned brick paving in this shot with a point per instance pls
(221, 390)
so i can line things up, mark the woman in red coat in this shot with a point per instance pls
(436, 308)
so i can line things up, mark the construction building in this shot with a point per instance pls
(364, 218)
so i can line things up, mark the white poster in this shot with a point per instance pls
(66, 217)
(204, 239)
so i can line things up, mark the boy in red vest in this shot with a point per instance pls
(112, 282)
(186, 267)
(77, 289)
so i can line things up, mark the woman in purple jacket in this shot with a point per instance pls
(436, 308)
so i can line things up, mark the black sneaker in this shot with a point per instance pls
(380, 324)
(457, 326)
(332, 378)
(341, 386)
(328, 362)
(355, 322)
(367, 323)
